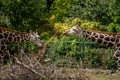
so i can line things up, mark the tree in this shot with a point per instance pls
(102, 11)
(23, 15)
(60, 8)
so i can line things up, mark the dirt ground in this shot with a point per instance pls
(39, 72)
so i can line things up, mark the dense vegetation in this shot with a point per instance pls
(49, 16)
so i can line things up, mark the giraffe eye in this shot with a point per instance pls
(36, 37)
(75, 30)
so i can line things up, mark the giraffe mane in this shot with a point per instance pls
(17, 32)
(109, 33)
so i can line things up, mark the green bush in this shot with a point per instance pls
(94, 10)
(116, 19)
(92, 25)
(84, 52)
(22, 15)
(113, 27)
(26, 47)
(61, 7)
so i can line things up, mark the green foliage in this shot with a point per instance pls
(92, 25)
(91, 57)
(92, 14)
(87, 54)
(116, 19)
(114, 8)
(27, 47)
(107, 59)
(61, 7)
(23, 15)
(103, 11)
(97, 10)
(58, 47)
(113, 27)
(45, 35)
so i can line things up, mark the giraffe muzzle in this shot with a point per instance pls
(66, 32)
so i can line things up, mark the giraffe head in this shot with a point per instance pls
(75, 30)
(34, 37)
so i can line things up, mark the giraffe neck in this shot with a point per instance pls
(19, 38)
(101, 38)
(13, 36)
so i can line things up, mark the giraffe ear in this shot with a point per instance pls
(36, 33)
(31, 32)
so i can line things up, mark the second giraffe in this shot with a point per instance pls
(105, 39)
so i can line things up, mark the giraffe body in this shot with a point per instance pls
(105, 39)
(7, 35)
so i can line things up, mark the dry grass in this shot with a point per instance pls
(27, 67)
(104, 77)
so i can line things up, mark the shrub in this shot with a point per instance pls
(27, 47)
(116, 19)
(82, 51)
(92, 25)
(113, 27)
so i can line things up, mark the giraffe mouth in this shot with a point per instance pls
(66, 32)
(39, 44)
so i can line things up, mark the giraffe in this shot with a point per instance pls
(103, 38)
(7, 35)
